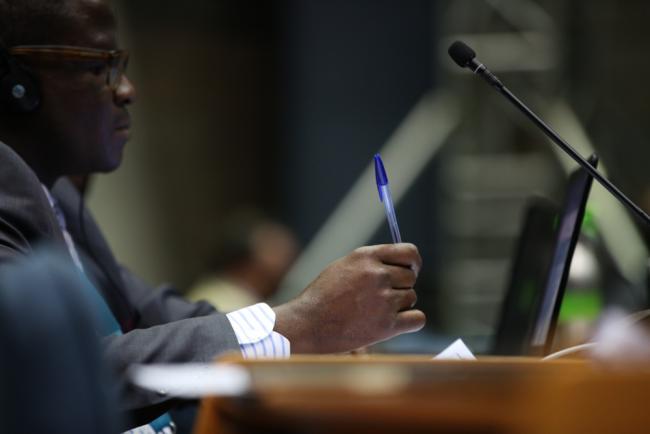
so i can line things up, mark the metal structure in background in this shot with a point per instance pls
(504, 161)
(494, 163)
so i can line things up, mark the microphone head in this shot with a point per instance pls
(461, 53)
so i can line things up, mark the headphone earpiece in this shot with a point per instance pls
(19, 89)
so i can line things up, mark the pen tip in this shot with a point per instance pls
(380, 171)
(380, 175)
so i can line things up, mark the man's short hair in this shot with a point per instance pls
(32, 22)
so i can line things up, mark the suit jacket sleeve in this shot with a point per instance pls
(189, 340)
(167, 329)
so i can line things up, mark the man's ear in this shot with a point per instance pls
(19, 89)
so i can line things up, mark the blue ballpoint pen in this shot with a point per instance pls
(386, 198)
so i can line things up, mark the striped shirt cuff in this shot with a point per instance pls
(253, 326)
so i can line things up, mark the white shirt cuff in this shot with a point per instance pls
(253, 326)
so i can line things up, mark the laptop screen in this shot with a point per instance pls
(565, 241)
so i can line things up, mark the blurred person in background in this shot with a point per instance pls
(64, 98)
(251, 257)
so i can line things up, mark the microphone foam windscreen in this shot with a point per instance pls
(461, 53)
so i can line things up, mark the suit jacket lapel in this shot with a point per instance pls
(96, 255)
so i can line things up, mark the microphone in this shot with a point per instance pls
(465, 57)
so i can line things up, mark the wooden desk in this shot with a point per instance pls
(416, 395)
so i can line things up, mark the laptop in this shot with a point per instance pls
(541, 269)
(527, 279)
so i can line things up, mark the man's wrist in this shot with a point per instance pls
(291, 323)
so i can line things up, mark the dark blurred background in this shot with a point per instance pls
(282, 104)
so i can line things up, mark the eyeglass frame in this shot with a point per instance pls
(116, 60)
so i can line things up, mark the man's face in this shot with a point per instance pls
(83, 120)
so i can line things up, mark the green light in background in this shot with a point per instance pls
(585, 304)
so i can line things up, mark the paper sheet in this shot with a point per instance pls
(456, 351)
(192, 380)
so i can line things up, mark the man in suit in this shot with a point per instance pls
(64, 99)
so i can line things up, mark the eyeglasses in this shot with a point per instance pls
(115, 61)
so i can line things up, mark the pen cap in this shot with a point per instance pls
(380, 175)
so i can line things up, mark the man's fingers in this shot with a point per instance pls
(405, 299)
(410, 321)
(403, 255)
(400, 277)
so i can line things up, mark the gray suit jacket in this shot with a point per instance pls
(159, 326)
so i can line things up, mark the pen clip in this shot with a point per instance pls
(380, 176)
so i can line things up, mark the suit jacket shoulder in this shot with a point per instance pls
(26, 218)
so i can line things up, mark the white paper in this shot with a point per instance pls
(192, 380)
(456, 351)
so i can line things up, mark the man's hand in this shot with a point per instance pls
(363, 298)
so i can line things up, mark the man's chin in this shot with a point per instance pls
(114, 156)
(110, 163)
(112, 166)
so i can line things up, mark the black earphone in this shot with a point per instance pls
(19, 89)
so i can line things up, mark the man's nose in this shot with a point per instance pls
(125, 93)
